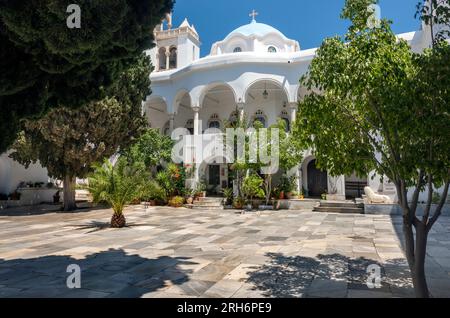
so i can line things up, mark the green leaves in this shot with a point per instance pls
(45, 65)
(68, 141)
(375, 105)
(119, 184)
(151, 148)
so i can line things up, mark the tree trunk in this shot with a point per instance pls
(69, 193)
(415, 251)
(418, 274)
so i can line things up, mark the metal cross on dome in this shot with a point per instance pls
(253, 15)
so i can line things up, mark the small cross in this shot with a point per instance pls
(253, 15)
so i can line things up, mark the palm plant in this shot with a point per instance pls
(118, 185)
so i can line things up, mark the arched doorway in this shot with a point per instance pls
(317, 180)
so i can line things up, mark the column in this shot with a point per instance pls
(171, 123)
(157, 62)
(293, 108)
(167, 58)
(196, 110)
(241, 111)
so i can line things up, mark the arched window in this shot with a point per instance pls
(162, 59)
(190, 126)
(237, 50)
(285, 116)
(259, 116)
(173, 58)
(272, 49)
(214, 121)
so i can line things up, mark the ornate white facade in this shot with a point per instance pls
(255, 72)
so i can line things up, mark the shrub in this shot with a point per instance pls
(176, 202)
(252, 187)
(154, 192)
(287, 184)
(117, 185)
(228, 193)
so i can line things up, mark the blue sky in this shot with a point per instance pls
(307, 21)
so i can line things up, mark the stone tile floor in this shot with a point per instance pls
(188, 253)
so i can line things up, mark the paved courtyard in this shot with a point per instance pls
(188, 253)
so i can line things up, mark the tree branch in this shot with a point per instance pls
(438, 211)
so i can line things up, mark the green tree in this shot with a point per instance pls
(118, 185)
(152, 148)
(252, 187)
(69, 141)
(44, 64)
(374, 105)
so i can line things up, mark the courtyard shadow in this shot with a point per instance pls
(112, 273)
(42, 209)
(331, 276)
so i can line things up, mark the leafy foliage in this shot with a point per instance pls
(119, 184)
(375, 105)
(46, 65)
(252, 187)
(152, 148)
(172, 179)
(68, 141)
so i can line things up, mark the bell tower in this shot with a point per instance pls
(175, 47)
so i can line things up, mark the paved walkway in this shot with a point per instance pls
(187, 253)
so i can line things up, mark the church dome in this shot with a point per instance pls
(255, 37)
(256, 28)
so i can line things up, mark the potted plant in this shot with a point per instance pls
(153, 193)
(324, 196)
(190, 196)
(301, 196)
(228, 194)
(238, 203)
(176, 202)
(201, 189)
(252, 188)
(285, 187)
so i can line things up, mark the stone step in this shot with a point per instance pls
(203, 207)
(335, 204)
(200, 204)
(209, 199)
(351, 210)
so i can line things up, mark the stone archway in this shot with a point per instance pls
(317, 180)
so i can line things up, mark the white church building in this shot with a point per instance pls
(253, 72)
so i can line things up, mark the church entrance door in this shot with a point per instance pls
(317, 180)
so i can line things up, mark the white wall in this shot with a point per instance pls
(12, 173)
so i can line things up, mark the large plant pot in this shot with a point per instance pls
(190, 200)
